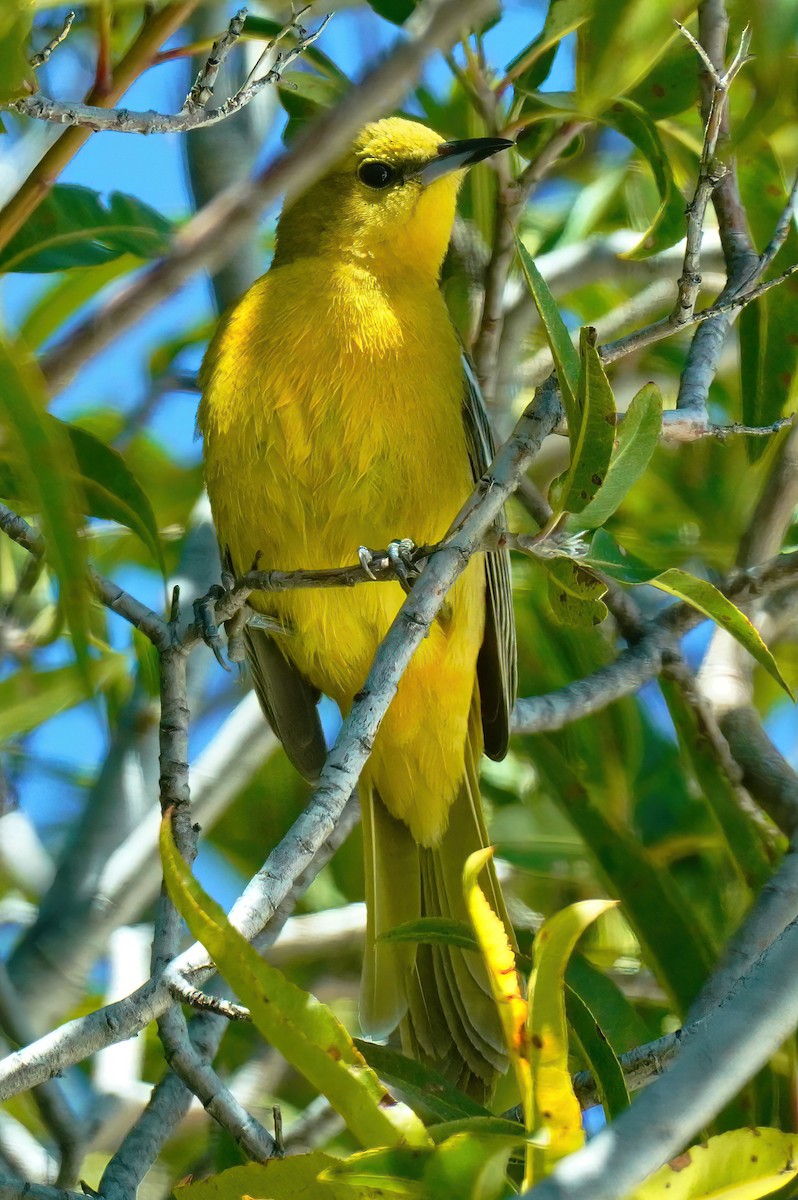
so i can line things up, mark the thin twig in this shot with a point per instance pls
(202, 88)
(193, 115)
(710, 172)
(43, 56)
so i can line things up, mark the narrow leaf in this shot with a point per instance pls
(425, 1090)
(441, 931)
(556, 1108)
(566, 358)
(44, 456)
(637, 439)
(706, 599)
(303, 1030)
(505, 984)
(593, 438)
(598, 1053)
(112, 491)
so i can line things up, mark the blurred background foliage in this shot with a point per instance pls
(623, 803)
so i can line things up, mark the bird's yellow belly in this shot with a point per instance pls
(320, 468)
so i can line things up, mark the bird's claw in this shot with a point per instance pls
(402, 557)
(205, 617)
(366, 558)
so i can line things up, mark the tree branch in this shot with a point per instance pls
(193, 114)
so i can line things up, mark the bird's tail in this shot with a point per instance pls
(438, 994)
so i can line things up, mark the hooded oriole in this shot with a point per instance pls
(338, 411)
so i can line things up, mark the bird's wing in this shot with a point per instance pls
(287, 699)
(288, 702)
(497, 668)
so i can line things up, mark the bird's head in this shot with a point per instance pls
(389, 203)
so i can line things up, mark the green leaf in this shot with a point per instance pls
(612, 559)
(593, 438)
(30, 697)
(470, 1166)
(73, 228)
(598, 1053)
(530, 68)
(45, 459)
(671, 87)
(105, 487)
(298, 1026)
(768, 358)
(15, 25)
(396, 11)
(711, 603)
(638, 434)
(498, 1127)
(304, 95)
(574, 593)
(394, 1172)
(566, 358)
(620, 1022)
(743, 1164)
(112, 491)
(668, 225)
(739, 836)
(620, 46)
(68, 293)
(442, 931)
(426, 1091)
(675, 946)
(293, 1178)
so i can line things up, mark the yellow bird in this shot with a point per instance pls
(338, 411)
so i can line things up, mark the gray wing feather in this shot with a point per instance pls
(287, 699)
(288, 702)
(497, 668)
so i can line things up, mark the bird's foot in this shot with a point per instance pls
(205, 618)
(403, 557)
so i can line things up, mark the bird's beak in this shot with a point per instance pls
(456, 156)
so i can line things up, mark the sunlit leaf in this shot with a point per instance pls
(505, 985)
(304, 95)
(297, 1025)
(743, 1164)
(706, 599)
(15, 25)
(292, 1178)
(555, 1107)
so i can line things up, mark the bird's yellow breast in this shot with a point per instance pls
(332, 418)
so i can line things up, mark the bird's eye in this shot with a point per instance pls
(376, 175)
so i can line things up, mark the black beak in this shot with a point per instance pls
(456, 156)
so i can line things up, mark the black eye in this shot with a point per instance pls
(376, 174)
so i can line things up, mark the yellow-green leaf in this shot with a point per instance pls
(505, 984)
(706, 598)
(743, 1164)
(555, 1106)
(296, 1024)
(294, 1178)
